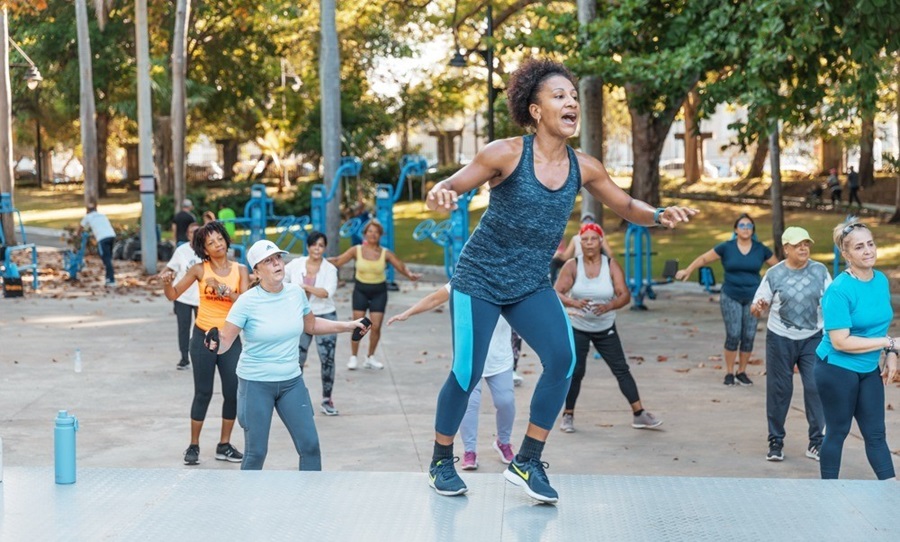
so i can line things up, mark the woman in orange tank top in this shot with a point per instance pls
(370, 287)
(221, 281)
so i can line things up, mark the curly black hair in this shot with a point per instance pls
(198, 243)
(524, 84)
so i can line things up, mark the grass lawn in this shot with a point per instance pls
(60, 208)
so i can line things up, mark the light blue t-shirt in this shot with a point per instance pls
(862, 307)
(271, 324)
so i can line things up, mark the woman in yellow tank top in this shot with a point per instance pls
(370, 287)
(221, 282)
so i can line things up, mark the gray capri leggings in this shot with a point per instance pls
(740, 325)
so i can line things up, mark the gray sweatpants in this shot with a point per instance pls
(290, 399)
(504, 401)
(781, 356)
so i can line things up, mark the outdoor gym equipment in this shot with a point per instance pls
(25, 246)
(350, 167)
(451, 234)
(385, 198)
(259, 211)
(639, 266)
(73, 261)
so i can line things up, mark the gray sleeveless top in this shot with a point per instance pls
(507, 258)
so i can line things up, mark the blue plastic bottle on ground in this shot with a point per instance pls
(64, 447)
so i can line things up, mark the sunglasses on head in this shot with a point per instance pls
(849, 228)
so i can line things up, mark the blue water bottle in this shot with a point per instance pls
(64, 447)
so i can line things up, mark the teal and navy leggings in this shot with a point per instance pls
(541, 320)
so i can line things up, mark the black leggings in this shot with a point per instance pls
(370, 297)
(204, 376)
(609, 346)
(183, 315)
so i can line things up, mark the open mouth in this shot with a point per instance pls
(570, 118)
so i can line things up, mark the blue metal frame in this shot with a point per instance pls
(639, 265)
(6, 207)
(451, 234)
(386, 196)
(350, 167)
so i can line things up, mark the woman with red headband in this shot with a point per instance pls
(592, 287)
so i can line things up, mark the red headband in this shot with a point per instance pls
(590, 226)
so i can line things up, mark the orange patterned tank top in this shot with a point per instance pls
(214, 307)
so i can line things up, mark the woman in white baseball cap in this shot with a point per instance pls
(272, 315)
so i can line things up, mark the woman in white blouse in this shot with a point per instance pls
(318, 278)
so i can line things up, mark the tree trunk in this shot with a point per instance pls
(102, 147)
(163, 155)
(590, 90)
(179, 115)
(7, 177)
(759, 159)
(88, 106)
(647, 148)
(866, 146)
(692, 168)
(896, 217)
(229, 157)
(831, 155)
(777, 202)
(330, 84)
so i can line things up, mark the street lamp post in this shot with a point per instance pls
(459, 61)
(33, 80)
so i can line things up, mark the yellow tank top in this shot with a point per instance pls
(214, 307)
(370, 271)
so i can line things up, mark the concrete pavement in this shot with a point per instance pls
(133, 405)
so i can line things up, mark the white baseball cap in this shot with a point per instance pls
(262, 250)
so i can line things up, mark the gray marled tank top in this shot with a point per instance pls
(507, 258)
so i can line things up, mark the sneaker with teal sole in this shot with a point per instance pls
(531, 476)
(443, 478)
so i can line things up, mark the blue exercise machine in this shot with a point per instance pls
(350, 167)
(11, 270)
(639, 266)
(259, 211)
(385, 198)
(451, 234)
(73, 261)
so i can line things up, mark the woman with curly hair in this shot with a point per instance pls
(502, 269)
(221, 282)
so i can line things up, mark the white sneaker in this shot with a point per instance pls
(517, 379)
(372, 363)
(353, 363)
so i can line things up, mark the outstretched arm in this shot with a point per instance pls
(707, 257)
(490, 165)
(349, 254)
(314, 325)
(430, 301)
(598, 182)
(400, 266)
